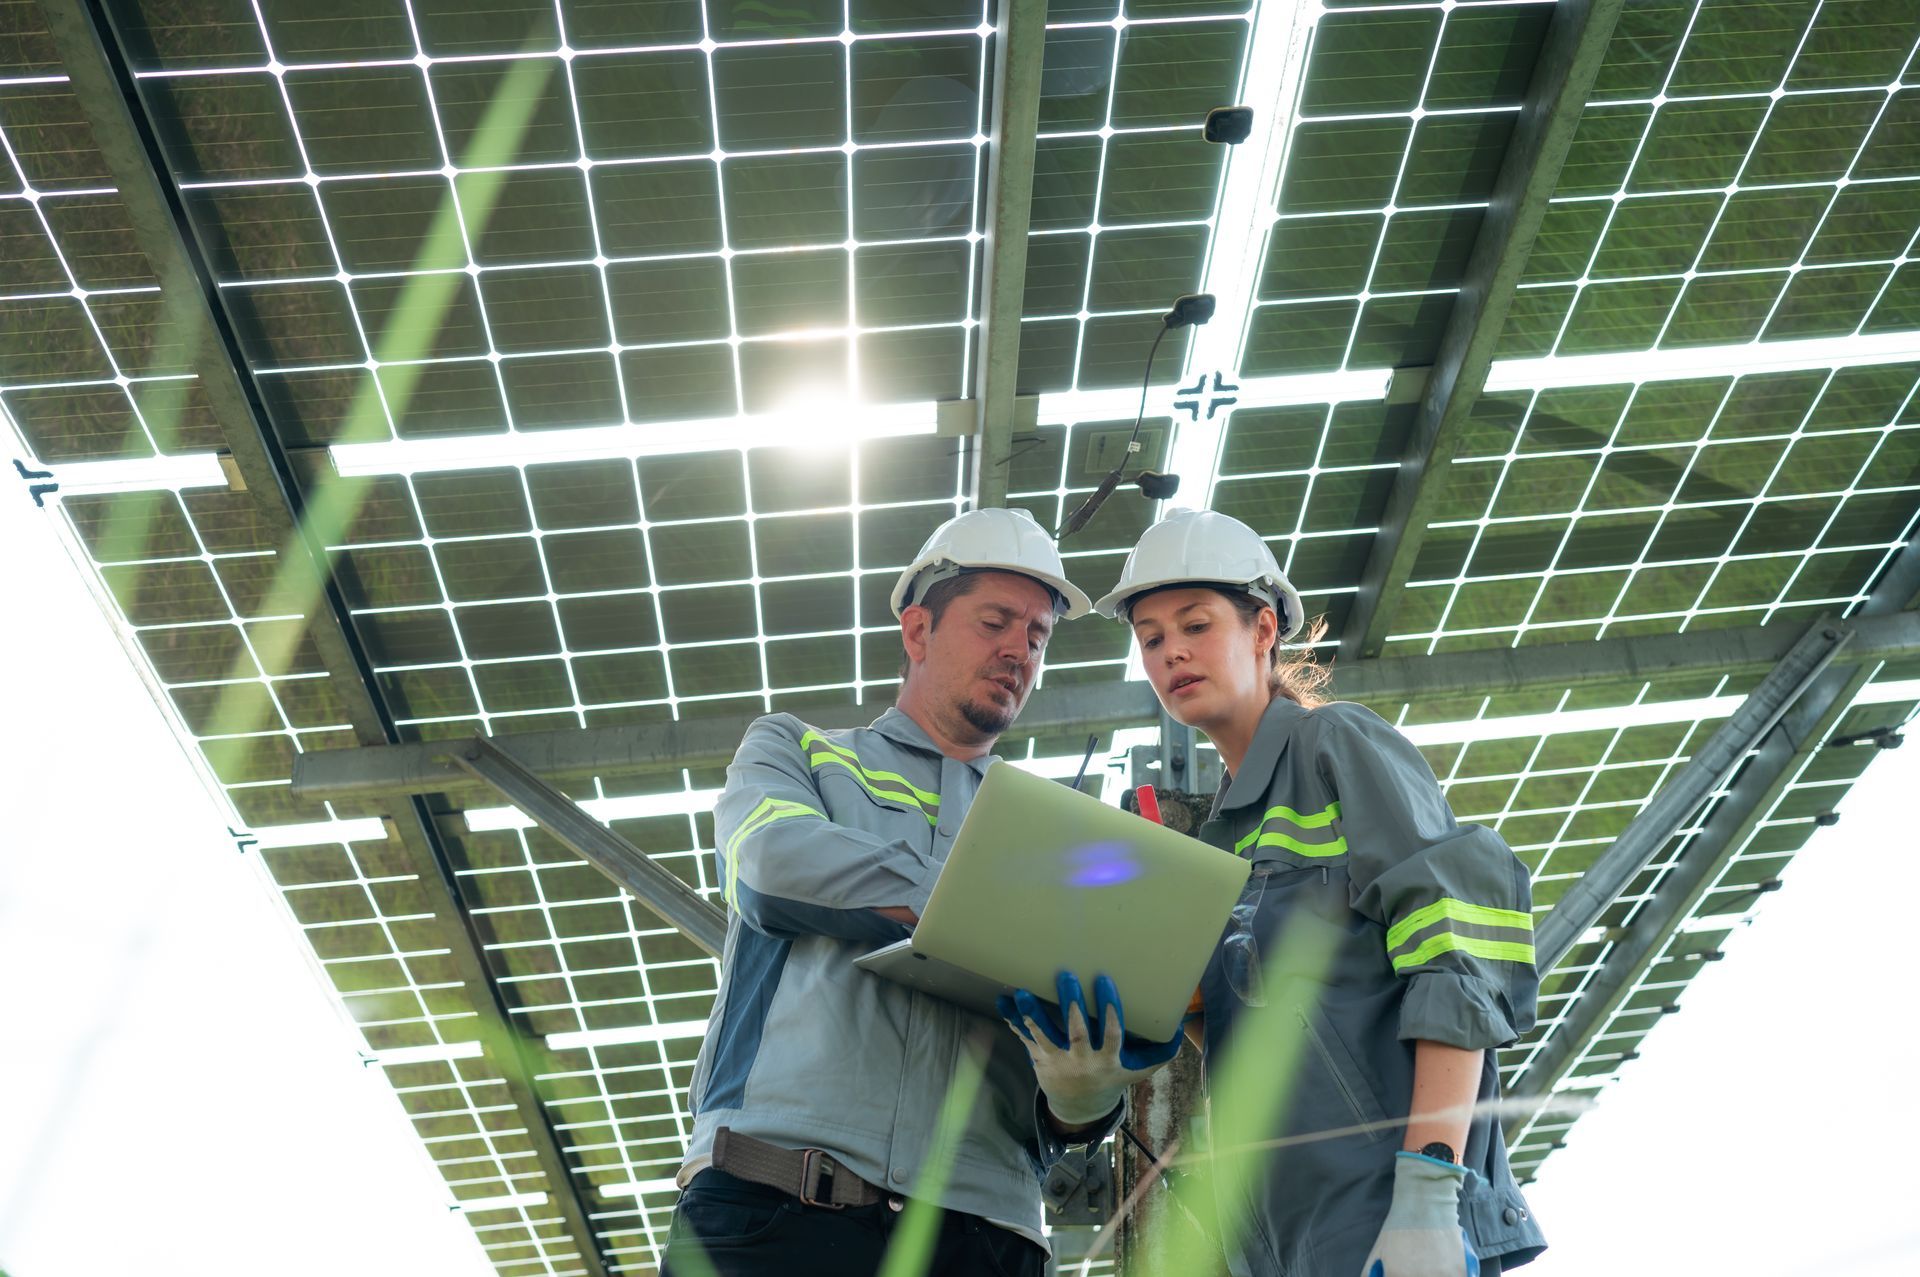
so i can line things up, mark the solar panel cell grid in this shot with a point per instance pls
(710, 208)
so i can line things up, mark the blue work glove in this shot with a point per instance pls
(1422, 1236)
(1084, 1061)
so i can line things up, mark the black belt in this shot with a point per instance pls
(810, 1174)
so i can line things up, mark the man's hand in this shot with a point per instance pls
(1086, 1065)
(900, 914)
(1422, 1236)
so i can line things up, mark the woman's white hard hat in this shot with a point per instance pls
(989, 540)
(1204, 547)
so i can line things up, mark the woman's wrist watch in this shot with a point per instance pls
(1440, 1152)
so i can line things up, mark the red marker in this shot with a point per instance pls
(1147, 803)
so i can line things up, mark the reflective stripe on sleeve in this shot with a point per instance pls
(769, 810)
(1449, 942)
(1450, 916)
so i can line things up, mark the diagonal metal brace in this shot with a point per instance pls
(1704, 774)
(677, 904)
(1783, 753)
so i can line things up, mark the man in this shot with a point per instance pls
(819, 1087)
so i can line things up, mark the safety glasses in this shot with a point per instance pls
(1240, 952)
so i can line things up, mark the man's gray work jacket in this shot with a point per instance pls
(815, 831)
(1392, 923)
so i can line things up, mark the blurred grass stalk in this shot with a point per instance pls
(1249, 1090)
(331, 503)
(910, 1253)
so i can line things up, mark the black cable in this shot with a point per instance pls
(1095, 499)
(1166, 1173)
(1145, 383)
(1152, 1157)
(1092, 742)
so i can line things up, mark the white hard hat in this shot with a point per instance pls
(1203, 547)
(990, 540)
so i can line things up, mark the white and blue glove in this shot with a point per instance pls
(1422, 1236)
(1086, 1064)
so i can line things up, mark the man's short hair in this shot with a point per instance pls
(937, 598)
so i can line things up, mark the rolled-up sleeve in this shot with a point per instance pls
(1454, 899)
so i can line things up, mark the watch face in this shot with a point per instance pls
(1440, 1152)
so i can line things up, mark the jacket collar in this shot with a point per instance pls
(1255, 776)
(902, 730)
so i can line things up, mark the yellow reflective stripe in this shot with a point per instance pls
(1318, 820)
(860, 775)
(756, 818)
(1451, 941)
(1338, 847)
(769, 810)
(1456, 911)
(850, 760)
(815, 738)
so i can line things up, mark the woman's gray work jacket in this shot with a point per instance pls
(1379, 920)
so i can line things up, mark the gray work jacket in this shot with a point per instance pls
(813, 832)
(1399, 924)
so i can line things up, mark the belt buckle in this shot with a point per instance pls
(809, 1159)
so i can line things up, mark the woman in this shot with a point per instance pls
(1408, 946)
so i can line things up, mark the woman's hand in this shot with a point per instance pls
(1422, 1236)
(1086, 1065)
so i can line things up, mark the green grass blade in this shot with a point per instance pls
(911, 1251)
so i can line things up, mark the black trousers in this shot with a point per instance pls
(749, 1230)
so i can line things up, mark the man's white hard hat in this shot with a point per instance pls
(1204, 547)
(989, 540)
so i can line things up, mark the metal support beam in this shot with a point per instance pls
(1018, 45)
(677, 904)
(651, 749)
(1179, 755)
(106, 91)
(1757, 790)
(654, 748)
(1688, 790)
(1760, 786)
(1570, 57)
(1898, 588)
(1162, 1110)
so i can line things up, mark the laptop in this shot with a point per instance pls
(1043, 879)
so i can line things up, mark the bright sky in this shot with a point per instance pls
(177, 1091)
(176, 1085)
(1768, 1129)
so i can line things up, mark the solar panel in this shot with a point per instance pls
(705, 227)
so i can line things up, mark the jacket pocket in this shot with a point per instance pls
(1331, 1051)
(890, 797)
(838, 769)
(717, 1213)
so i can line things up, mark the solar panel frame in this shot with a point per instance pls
(541, 595)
